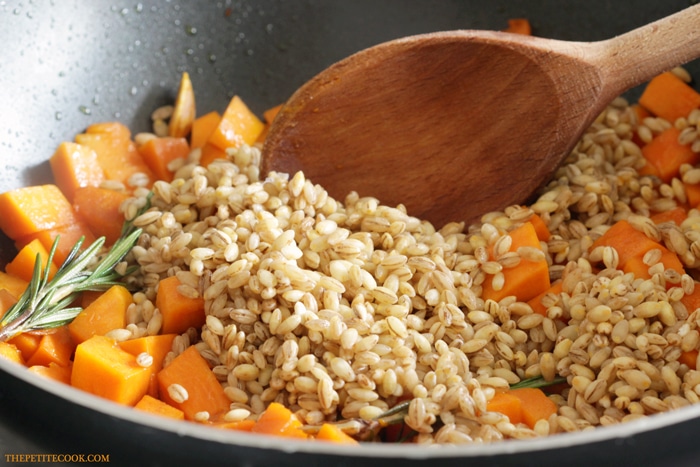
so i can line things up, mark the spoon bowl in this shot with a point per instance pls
(459, 123)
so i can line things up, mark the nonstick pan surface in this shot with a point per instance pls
(67, 64)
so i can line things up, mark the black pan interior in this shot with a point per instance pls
(71, 63)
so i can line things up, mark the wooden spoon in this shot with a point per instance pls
(459, 123)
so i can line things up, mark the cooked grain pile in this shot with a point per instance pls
(340, 309)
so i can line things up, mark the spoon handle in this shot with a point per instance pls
(637, 56)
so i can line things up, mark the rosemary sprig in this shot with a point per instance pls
(367, 430)
(47, 303)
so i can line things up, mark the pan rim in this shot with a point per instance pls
(617, 433)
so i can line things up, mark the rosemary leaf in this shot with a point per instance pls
(56, 319)
(537, 382)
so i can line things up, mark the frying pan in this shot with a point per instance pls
(66, 64)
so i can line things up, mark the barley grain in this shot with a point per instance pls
(178, 393)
